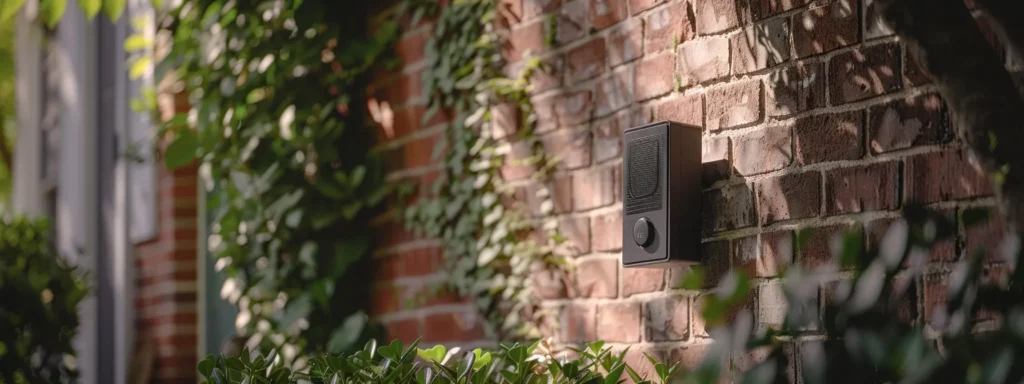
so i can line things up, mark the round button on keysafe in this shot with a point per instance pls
(643, 232)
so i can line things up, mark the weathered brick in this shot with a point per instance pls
(734, 105)
(514, 168)
(586, 61)
(986, 237)
(562, 109)
(714, 258)
(860, 189)
(578, 322)
(608, 136)
(625, 43)
(619, 322)
(776, 253)
(577, 233)
(771, 306)
(636, 358)
(570, 147)
(572, 21)
(453, 326)
(410, 47)
(687, 109)
(942, 176)
(942, 251)
(796, 88)
(637, 6)
(549, 283)
(762, 151)
(607, 232)
(760, 46)
(505, 119)
(829, 137)
(761, 9)
(418, 153)
(817, 251)
(667, 318)
(825, 28)
(534, 8)
(873, 25)
(787, 197)
(743, 255)
(525, 38)
(715, 16)
(903, 123)
(614, 92)
(727, 208)
(864, 72)
(597, 278)
(653, 76)
(715, 158)
(936, 293)
(593, 188)
(604, 13)
(689, 356)
(703, 60)
(669, 24)
(642, 280)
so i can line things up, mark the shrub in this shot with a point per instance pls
(38, 317)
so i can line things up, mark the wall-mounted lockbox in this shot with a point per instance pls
(661, 195)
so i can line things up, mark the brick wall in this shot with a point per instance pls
(814, 118)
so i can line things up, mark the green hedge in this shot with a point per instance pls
(39, 294)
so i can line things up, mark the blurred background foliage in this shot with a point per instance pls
(7, 109)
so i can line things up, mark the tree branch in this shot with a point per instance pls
(971, 78)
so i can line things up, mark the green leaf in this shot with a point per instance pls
(296, 309)
(139, 67)
(113, 9)
(345, 336)
(8, 8)
(694, 280)
(90, 7)
(482, 358)
(137, 42)
(435, 354)
(182, 150)
(207, 365)
(53, 11)
(391, 351)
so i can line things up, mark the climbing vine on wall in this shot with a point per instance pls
(279, 128)
(489, 246)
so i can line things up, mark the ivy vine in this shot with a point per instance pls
(489, 246)
(279, 127)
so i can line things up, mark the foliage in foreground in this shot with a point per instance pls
(38, 318)
(394, 363)
(862, 334)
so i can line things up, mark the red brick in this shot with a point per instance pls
(619, 322)
(608, 137)
(860, 189)
(986, 237)
(727, 208)
(864, 72)
(703, 60)
(776, 253)
(570, 147)
(942, 176)
(771, 306)
(715, 16)
(614, 92)
(689, 356)
(605, 13)
(715, 155)
(936, 293)
(762, 151)
(533, 8)
(404, 88)
(787, 197)
(597, 278)
(572, 21)
(667, 318)
(734, 105)
(636, 358)
(586, 61)
(796, 88)
(387, 299)
(453, 326)
(563, 109)
(653, 76)
(505, 120)
(637, 6)
(577, 231)
(830, 137)
(510, 12)
(407, 330)
(560, 192)
(525, 38)
(593, 188)
(743, 255)
(761, 9)
(642, 280)
(684, 109)
(903, 123)
(514, 167)
(817, 251)
(410, 118)
(607, 232)
(625, 43)
(410, 47)
(549, 283)
(826, 28)
(942, 251)
(578, 322)
(668, 25)
(873, 26)
(760, 46)
(420, 262)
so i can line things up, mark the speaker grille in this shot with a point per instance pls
(643, 163)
